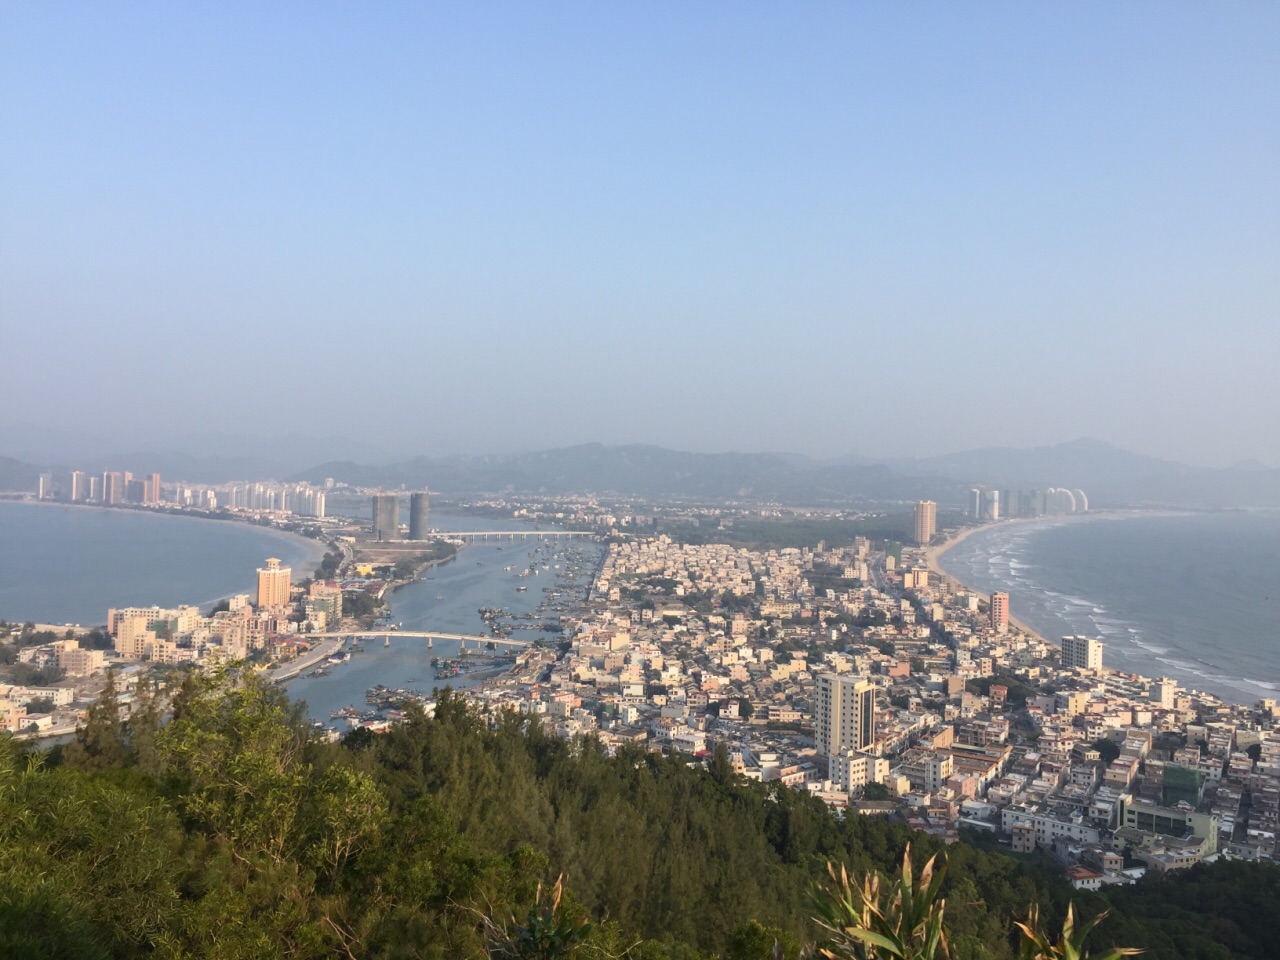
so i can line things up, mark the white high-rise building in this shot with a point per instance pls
(844, 714)
(926, 521)
(1081, 653)
(991, 504)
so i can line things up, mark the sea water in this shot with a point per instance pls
(1193, 596)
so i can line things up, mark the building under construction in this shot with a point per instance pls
(386, 517)
(420, 515)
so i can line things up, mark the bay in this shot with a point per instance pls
(63, 564)
(1192, 596)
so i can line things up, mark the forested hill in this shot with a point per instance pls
(230, 833)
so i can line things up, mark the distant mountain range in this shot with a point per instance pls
(644, 471)
(220, 457)
(1109, 475)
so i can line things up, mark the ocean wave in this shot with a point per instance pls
(1261, 683)
(1209, 675)
(1151, 647)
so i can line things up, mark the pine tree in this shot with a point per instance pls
(99, 744)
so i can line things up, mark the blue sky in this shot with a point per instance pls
(854, 227)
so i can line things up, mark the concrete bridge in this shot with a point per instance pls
(511, 534)
(462, 638)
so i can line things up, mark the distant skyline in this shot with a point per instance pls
(831, 229)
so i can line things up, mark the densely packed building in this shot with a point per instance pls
(855, 673)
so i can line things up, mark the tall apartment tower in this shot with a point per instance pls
(991, 504)
(926, 521)
(386, 517)
(420, 515)
(44, 487)
(274, 584)
(79, 489)
(115, 486)
(999, 612)
(151, 492)
(844, 714)
(1081, 653)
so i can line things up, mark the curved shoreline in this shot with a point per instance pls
(1227, 688)
(933, 557)
(313, 544)
(933, 554)
(313, 549)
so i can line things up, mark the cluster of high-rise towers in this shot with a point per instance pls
(386, 516)
(985, 504)
(989, 504)
(110, 487)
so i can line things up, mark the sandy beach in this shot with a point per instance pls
(933, 554)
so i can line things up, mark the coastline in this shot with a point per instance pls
(1137, 651)
(313, 549)
(932, 560)
(316, 548)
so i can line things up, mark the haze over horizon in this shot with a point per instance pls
(831, 230)
(31, 443)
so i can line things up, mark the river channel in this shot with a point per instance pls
(449, 598)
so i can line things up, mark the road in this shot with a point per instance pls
(311, 658)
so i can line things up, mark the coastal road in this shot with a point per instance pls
(311, 658)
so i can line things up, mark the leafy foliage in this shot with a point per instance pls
(904, 922)
(231, 832)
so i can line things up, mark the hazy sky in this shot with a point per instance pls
(850, 227)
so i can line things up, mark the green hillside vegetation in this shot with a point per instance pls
(232, 833)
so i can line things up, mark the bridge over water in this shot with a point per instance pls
(511, 534)
(463, 638)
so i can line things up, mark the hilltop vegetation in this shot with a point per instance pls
(232, 833)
